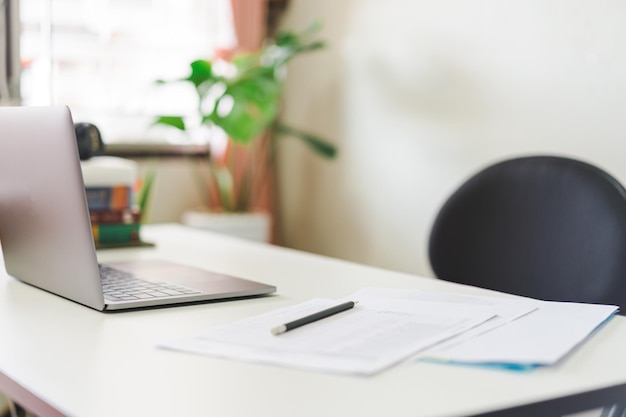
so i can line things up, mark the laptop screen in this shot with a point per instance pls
(44, 221)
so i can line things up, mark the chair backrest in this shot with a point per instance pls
(545, 227)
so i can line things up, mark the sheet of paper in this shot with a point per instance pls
(542, 337)
(503, 308)
(362, 341)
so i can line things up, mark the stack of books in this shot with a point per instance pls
(109, 186)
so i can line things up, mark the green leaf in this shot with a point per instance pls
(295, 43)
(143, 196)
(312, 46)
(225, 185)
(255, 102)
(201, 71)
(317, 144)
(245, 61)
(175, 121)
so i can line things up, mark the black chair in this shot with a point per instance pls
(546, 227)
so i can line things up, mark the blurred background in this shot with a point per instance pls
(421, 94)
(416, 95)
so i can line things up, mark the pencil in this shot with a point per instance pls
(313, 317)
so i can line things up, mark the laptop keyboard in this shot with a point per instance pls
(123, 286)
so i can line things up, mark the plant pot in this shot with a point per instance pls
(251, 226)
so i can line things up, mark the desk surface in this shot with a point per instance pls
(56, 355)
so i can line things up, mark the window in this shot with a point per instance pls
(101, 58)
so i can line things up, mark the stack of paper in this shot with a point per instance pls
(391, 325)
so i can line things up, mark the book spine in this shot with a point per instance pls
(125, 216)
(115, 233)
(116, 197)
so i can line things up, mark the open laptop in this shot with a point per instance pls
(45, 230)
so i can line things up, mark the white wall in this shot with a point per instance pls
(420, 94)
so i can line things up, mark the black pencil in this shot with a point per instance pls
(313, 317)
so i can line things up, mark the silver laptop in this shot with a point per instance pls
(45, 231)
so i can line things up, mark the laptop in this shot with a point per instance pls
(45, 230)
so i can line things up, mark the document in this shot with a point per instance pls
(540, 338)
(504, 309)
(388, 326)
(362, 341)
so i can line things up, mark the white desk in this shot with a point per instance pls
(58, 357)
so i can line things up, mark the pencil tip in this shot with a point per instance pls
(279, 329)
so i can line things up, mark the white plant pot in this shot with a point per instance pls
(250, 226)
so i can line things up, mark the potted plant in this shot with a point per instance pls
(238, 107)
